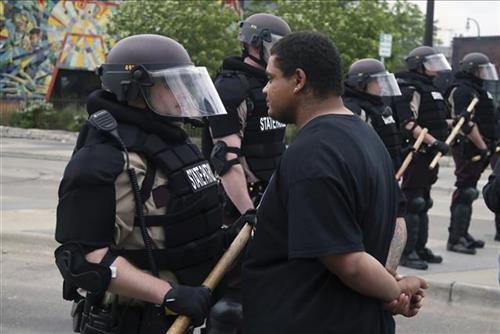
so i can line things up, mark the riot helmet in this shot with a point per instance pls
(159, 70)
(262, 31)
(425, 57)
(479, 64)
(370, 76)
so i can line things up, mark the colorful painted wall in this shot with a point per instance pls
(39, 37)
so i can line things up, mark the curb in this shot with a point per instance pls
(67, 136)
(455, 293)
(53, 135)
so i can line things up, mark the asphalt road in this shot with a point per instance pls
(31, 286)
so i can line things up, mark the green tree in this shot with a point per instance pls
(207, 29)
(355, 26)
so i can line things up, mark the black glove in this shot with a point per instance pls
(492, 146)
(192, 301)
(485, 154)
(407, 150)
(440, 146)
(250, 217)
(466, 115)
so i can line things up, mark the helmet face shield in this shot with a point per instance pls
(487, 72)
(383, 84)
(184, 92)
(268, 40)
(437, 63)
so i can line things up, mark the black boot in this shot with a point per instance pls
(473, 242)
(461, 213)
(412, 260)
(468, 196)
(423, 235)
(461, 246)
(428, 256)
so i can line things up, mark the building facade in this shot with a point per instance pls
(44, 42)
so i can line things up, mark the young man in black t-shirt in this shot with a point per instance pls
(325, 223)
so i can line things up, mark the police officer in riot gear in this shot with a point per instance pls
(366, 85)
(478, 139)
(139, 216)
(421, 106)
(245, 145)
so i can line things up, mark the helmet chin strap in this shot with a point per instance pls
(260, 60)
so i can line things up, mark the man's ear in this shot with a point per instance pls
(300, 80)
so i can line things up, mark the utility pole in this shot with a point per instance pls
(429, 23)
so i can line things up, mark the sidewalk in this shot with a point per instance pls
(459, 279)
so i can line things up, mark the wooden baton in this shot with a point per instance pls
(453, 133)
(409, 156)
(182, 322)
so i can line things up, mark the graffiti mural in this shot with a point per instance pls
(39, 37)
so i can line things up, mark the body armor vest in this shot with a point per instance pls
(263, 138)
(484, 111)
(192, 223)
(432, 112)
(381, 118)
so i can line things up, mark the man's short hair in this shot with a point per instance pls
(316, 55)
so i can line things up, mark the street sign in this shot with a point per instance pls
(385, 45)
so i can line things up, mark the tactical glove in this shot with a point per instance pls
(492, 146)
(250, 217)
(440, 146)
(467, 116)
(467, 125)
(192, 301)
(485, 154)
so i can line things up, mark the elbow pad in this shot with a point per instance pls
(219, 160)
(78, 272)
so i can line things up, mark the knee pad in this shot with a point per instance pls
(78, 272)
(416, 205)
(468, 195)
(429, 203)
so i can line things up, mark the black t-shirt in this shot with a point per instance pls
(334, 192)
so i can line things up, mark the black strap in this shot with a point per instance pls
(108, 258)
(147, 183)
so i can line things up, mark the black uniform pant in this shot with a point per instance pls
(467, 174)
(417, 182)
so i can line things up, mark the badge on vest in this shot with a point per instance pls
(489, 95)
(388, 120)
(200, 176)
(437, 95)
(268, 124)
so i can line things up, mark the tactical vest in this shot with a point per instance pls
(432, 112)
(484, 111)
(192, 223)
(263, 138)
(382, 121)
